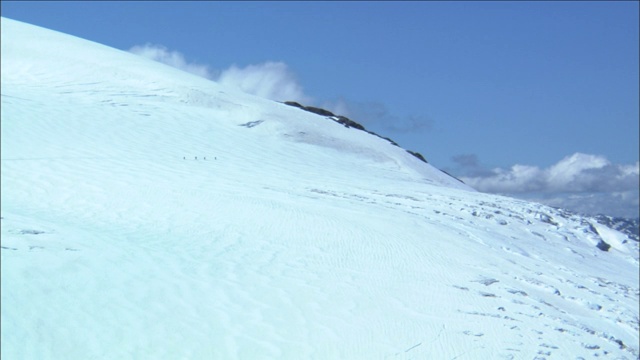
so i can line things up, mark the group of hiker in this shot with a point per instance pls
(196, 158)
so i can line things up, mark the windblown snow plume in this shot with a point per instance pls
(270, 80)
(172, 58)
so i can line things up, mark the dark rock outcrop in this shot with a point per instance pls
(452, 176)
(294, 104)
(418, 155)
(312, 109)
(348, 122)
(319, 111)
(603, 246)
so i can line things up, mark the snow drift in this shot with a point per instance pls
(150, 213)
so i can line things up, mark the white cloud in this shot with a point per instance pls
(580, 182)
(575, 173)
(175, 59)
(578, 171)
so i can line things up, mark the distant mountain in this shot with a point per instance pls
(148, 213)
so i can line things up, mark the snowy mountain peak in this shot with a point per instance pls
(177, 218)
(146, 82)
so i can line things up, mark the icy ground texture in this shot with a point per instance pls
(296, 238)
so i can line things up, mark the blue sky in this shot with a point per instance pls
(532, 99)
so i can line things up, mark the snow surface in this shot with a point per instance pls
(296, 238)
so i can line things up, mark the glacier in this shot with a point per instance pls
(150, 213)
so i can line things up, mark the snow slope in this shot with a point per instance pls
(296, 238)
